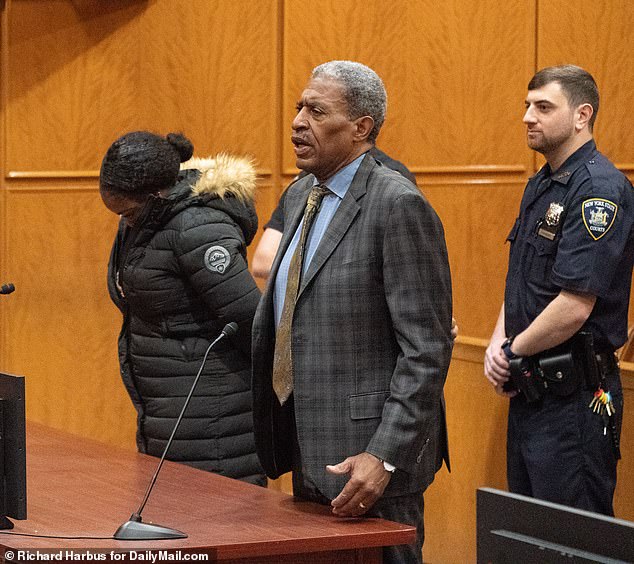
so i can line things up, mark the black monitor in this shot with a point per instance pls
(12, 450)
(515, 529)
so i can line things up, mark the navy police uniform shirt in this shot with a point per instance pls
(575, 233)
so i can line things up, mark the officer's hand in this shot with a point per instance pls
(368, 480)
(454, 328)
(496, 367)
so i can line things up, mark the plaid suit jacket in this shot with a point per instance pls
(371, 338)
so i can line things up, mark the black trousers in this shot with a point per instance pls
(559, 450)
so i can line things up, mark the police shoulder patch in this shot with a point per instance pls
(217, 259)
(598, 216)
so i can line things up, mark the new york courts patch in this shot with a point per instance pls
(598, 216)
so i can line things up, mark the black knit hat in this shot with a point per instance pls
(141, 162)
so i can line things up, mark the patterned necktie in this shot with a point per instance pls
(282, 361)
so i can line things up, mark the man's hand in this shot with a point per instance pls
(368, 480)
(496, 367)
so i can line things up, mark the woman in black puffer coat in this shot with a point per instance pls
(178, 273)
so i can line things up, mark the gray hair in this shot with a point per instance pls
(364, 91)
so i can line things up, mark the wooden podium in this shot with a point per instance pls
(81, 488)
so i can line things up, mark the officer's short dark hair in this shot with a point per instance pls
(577, 84)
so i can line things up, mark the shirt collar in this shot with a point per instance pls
(340, 182)
(573, 162)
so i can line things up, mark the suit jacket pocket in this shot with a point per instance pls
(368, 405)
(355, 267)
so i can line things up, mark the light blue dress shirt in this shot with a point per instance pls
(338, 186)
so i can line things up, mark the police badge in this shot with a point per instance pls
(550, 223)
(598, 216)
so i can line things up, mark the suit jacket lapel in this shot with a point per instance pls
(341, 222)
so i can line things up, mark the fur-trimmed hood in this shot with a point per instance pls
(223, 183)
(224, 175)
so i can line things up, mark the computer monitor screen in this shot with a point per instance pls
(12, 450)
(516, 529)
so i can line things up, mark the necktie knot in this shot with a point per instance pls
(317, 195)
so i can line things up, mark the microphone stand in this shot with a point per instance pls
(135, 528)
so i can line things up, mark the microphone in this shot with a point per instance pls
(7, 288)
(135, 528)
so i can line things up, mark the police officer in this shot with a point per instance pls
(570, 271)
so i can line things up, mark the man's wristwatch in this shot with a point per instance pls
(388, 467)
(506, 349)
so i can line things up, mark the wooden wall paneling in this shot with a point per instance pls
(208, 69)
(63, 328)
(457, 99)
(604, 52)
(3, 252)
(477, 219)
(216, 79)
(476, 420)
(456, 77)
(73, 81)
(624, 495)
(627, 351)
(595, 34)
(365, 32)
(446, 66)
(5, 277)
(596, 38)
(62, 324)
(228, 74)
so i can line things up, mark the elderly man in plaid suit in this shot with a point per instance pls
(351, 340)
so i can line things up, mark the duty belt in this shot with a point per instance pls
(562, 370)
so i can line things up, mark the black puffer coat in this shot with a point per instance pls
(179, 276)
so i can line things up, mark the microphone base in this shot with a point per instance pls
(137, 530)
